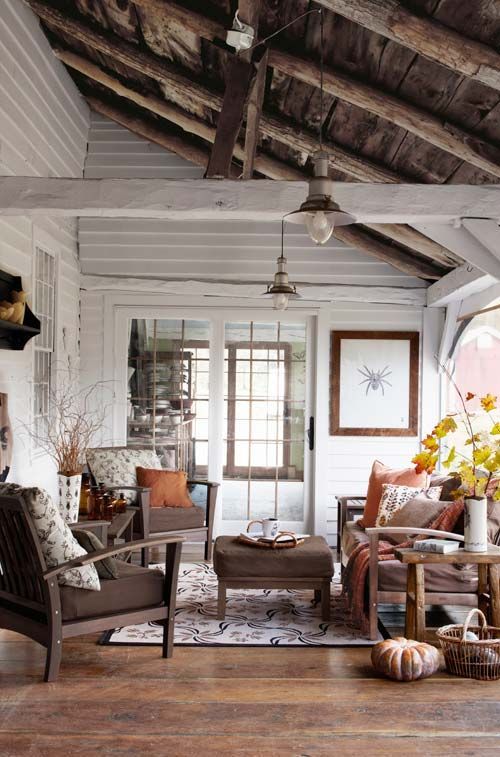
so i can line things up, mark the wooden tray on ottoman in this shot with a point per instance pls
(275, 543)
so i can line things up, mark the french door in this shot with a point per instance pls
(239, 390)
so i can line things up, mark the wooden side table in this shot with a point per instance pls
(111, 533)
(488, 590)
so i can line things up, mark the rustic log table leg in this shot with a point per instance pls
(419, 603)
(410, 601)
(494, 578)
(221, 600)
(483, 597)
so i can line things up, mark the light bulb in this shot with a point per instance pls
(280, 301)
(319, 226)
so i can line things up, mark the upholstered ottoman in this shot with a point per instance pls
(308, 566)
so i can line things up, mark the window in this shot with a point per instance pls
(265, 380)
(44, 304)
(168, 391)
(474, 366)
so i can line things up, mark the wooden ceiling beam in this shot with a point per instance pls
(461, 143)
(425, 36)
(266, 165)
(240, 78)
(341, 159)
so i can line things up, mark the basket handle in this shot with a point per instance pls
(481, 616)
(284, 533)
(252, 523)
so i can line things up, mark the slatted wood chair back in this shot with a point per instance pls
(21, 561)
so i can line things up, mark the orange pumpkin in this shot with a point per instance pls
(405, 659)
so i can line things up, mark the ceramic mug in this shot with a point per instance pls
(270, 526)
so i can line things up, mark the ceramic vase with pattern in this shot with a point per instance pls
(475, 525)
(69, 496)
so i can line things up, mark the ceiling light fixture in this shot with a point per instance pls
(281, 290)
(319, 212)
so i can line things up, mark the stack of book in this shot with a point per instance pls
(440, 546)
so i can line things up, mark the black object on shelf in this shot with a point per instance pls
(14, 336)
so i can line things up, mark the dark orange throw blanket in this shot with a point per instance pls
(356, 571)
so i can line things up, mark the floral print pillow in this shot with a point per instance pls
(394, 497)
(116, 466)
(56, 540)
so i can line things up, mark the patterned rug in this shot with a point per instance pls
(267, 618)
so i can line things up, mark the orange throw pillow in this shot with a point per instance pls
(381, 475)
(168, 487)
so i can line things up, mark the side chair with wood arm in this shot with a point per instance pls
(34, 604)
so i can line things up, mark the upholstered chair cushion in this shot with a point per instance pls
(116, 466)
(56, 540)
(168, 488)
(175, 518)
(134, 589)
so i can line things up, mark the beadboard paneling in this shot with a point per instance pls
(43, 132)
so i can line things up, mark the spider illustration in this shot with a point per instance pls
(375, 379)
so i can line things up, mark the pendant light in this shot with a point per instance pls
(319, 212)
(281, 290)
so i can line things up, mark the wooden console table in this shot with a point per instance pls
(488, 590)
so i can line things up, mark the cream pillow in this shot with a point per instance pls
(116, 466)
(394, 497)
(56, 540)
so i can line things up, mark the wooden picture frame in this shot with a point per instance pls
(336, 357)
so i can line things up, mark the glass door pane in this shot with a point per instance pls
(168, 370)
(265, 395)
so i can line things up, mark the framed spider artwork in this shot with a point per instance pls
(374, 383)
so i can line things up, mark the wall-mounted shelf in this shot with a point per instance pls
(14, 336)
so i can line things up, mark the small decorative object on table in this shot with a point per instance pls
(471, 651)
(404, 659)
(478, 471)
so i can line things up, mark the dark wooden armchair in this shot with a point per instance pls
(195, 523)
(34, 604)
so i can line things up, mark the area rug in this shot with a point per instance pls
(258, 618)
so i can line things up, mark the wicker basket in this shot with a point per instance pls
(471, 658)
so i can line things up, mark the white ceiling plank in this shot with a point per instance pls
(258, 200)
(458, 284)
(463, 243)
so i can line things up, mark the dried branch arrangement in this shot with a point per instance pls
(72, 426)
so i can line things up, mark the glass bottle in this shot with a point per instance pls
(120, 503)
(107, 506)
(99, 502)
(84, 495)
(91, 503)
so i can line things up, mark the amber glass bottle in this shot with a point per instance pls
(84, 495)
(91, 503)
(120, 503)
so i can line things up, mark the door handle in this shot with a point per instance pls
(310, 433)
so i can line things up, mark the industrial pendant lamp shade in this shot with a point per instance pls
(319, 212)
(281, 290)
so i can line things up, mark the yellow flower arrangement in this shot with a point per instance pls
(479, 472)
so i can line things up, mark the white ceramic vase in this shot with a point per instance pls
(475, 524)
(69, 496)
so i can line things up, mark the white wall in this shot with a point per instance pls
(241, 251)
(43, 132)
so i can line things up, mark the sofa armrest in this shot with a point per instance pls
(408, 531)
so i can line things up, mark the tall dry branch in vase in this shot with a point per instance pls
(74, 422)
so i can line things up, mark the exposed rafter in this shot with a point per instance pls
(268, 166)
(423, 35)
(459, 142)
